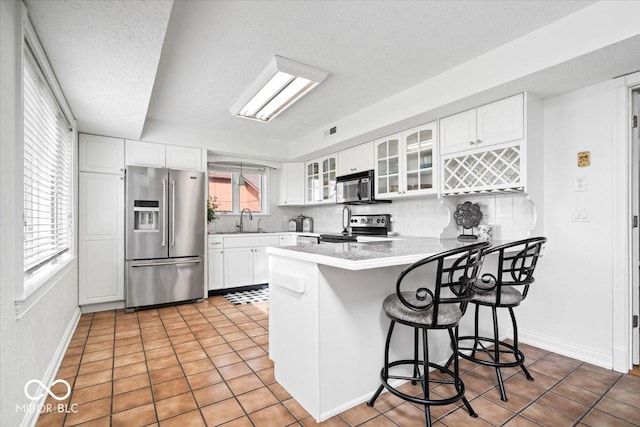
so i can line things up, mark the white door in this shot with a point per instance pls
(216, 269)
(329, 168)
(292, 184)
(238, 267)
(101, 238)
(100, 154)
(458, 132)
(138, 153)
(635, 232)
(356, 159)
(418, 155)
(183, 157)
(260, 265)
(500, 121)
(387, 167)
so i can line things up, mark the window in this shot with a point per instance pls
(231, 197)
(48, 137)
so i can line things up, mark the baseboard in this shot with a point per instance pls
(31, 418)
(102, 306)
(566, 348)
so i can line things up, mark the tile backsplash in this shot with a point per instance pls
(509, 215)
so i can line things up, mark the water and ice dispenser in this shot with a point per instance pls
(146, 215)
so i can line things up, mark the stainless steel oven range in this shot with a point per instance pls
(361, 225)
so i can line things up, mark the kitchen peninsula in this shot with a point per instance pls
(327, 327)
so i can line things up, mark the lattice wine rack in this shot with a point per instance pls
(495, 170)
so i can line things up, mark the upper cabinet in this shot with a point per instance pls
(496, 123)
(321, 180)
(139, 153)
(292, 184)
(356, 159)
(100, 154)
(404, 163)
(489, 148)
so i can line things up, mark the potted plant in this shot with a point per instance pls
(211, 209)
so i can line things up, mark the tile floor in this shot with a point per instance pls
(207, 364)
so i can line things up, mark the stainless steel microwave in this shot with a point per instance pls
(357, 188)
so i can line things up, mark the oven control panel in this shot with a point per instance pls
(370, 220)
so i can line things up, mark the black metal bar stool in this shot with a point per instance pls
(516, 264)
(436, 306)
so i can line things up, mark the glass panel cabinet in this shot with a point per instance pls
(321, 180)
(404, 163)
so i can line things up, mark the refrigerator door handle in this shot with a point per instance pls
(167, 263)
(164, 212)
(173, 212)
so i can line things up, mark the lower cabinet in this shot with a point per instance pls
(236, 261)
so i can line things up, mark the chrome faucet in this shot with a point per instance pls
(241, 226)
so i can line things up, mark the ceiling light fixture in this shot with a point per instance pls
(278, 86)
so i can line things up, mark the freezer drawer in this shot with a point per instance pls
(163, 281)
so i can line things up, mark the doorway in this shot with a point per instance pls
(635, 237)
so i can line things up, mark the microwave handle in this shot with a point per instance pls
(359, 186)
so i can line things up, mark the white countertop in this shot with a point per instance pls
(362, 256)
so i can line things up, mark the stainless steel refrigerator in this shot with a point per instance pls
(165, 235)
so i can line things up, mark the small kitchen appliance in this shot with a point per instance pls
(357, 189)
(307, 225)
(361, 225)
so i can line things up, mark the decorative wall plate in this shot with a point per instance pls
(467, 215)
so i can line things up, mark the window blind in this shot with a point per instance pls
(47, 171)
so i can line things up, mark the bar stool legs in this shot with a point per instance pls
(424, 377)
(495, 354)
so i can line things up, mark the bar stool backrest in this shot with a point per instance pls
(516, 265)
(456, 269)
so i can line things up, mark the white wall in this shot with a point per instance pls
(569, 308)
(28, 344)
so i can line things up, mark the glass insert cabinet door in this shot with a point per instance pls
(314, 188)
(329, 168)
(418, 158)
(388, 165)
(321, 179)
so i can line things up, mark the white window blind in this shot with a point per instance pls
(47, 172)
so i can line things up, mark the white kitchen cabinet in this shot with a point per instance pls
(178, 157)
(238, 267)
(239, 260)
(139, 153)
(495, 123)
(101, 238)
(288, 240)
(355, 159)
(387, 157)
(321, 180)
(505, 152)
(292, 184)
(100, 154)
(215, 262)
(404, 163)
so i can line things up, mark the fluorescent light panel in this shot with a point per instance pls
(278, 86)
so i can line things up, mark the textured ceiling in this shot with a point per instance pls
(105, 55)
(160, 70)
(372, 49)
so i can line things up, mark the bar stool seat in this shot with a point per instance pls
(448, 315)
(438, 305)
(509, 296)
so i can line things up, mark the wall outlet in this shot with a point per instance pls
(580, 183)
